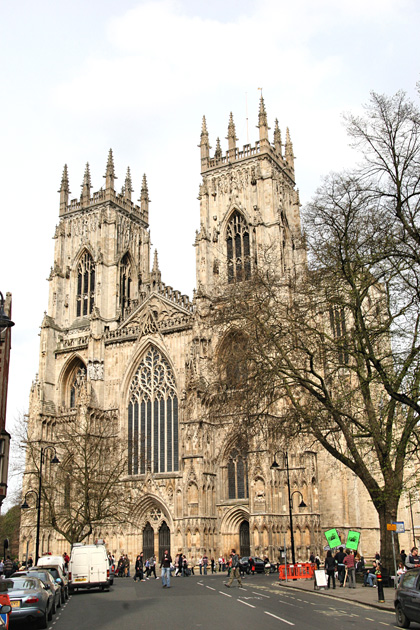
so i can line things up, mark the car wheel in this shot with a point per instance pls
(43, 622)
(402, 620)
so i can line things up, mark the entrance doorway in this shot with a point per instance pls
(244, 547)
(148, 542)
(164, 540)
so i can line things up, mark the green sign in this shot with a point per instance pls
(353, 540)
(332, 538)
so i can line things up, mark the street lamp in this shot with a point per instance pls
(302, 504)
(25, 506)
(5, 321)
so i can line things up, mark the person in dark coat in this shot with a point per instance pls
(330, 568)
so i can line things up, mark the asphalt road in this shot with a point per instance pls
(204, 602)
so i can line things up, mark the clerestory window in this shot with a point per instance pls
(153, 417)
(237, 248)
(85, 285)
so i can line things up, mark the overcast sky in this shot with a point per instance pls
(81, 76)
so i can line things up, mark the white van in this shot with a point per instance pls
(89, 567)
(50, 561)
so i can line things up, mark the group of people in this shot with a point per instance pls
(344, 563)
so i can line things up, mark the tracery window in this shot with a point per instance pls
(125, 284)
(153, 417)
(238, 252)
(77, 379)
(85, 285)
(237, 476)
(338, 326)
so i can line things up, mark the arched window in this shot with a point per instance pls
(85, 285)
(153, 417)
(73, 383)
(237, 476)
(233, 359)
(125, 284)
(237, 246)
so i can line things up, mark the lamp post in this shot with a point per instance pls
(275, 466)
(25, 506)
(5, 321)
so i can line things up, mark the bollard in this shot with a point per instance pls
(381, 597)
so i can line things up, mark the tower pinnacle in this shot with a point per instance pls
(277, 138)
(204, 144)
(64, 190)
(231, 137)
(110, 173)
(288, 153)
(87, 185)
(128, 185)
(218, 151)
(262, 121)
(144, 199)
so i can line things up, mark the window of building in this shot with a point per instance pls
(338, 327)
(238, 251)
(153, 417)
(233, 359)
(76, 380)
(85, 285)
(125, 284)
(237, 476)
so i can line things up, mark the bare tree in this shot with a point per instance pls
(334, 351)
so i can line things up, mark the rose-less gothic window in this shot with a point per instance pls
(237, 476)
(237, 246)
(85, 285)
(125, 284)
(153, 417)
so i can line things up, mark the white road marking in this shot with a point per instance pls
(267, 596)
(200, 583)
(246, 603)
(211, 588)
(383, 623)
(225, 594)
(369, 619)
(289, 604)
(279, 618)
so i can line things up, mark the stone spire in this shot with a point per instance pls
(110, 173)
(204, 144)
(64, 190)
(262, 122)
(86, 186)
(231, 137)
(218, 151)
(288, 153)
(128, 185)
(156, 275)
(144, 200)
(277, 138)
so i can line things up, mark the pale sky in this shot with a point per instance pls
(81, 76)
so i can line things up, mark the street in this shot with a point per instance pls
(204, 602)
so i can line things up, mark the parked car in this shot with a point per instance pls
(245, 564)
(48, 581)
(29, 599)
(407, 599)
(59, 578)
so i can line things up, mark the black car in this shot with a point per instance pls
(245, 565)
(407, 599)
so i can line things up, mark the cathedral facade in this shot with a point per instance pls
(141, 348)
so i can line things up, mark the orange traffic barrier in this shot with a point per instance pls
(298, 571)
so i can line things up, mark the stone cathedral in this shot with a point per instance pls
(142, 346)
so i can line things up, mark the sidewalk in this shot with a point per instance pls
(361, 594)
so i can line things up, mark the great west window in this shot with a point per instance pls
(153, 417)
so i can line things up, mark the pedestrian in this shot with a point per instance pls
(234, 572)
(205, 562)
(318, 562)
(185, 570)
(369, 578)
(8, 567)
(330, 568)
(213, 567)
(351, 568)
(152, 566)
(192, 564)
(251, 565)
(341, 568)
(312, 558)
(165, 565)
(200, 564)
(413, 559)
(220, 564)
(403, 556)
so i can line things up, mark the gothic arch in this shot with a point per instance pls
(126, 277)
(147, 509)
(232, 519)
(68, 377)
(84, 282)
(152, 416)
(238, 247)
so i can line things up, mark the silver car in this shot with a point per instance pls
(29, 599)
(48, 582)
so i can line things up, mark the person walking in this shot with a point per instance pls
(351, 568)
(330, 568)
(234, 572)
(165, 565)
(205, 562)
(152, 566)
(341, 567)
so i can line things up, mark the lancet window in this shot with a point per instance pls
(85, 285)
(238, 251)
(338, 326)
(153, 417)
(237, 476)
(125, 284)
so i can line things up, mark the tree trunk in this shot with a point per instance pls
(388, 514)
